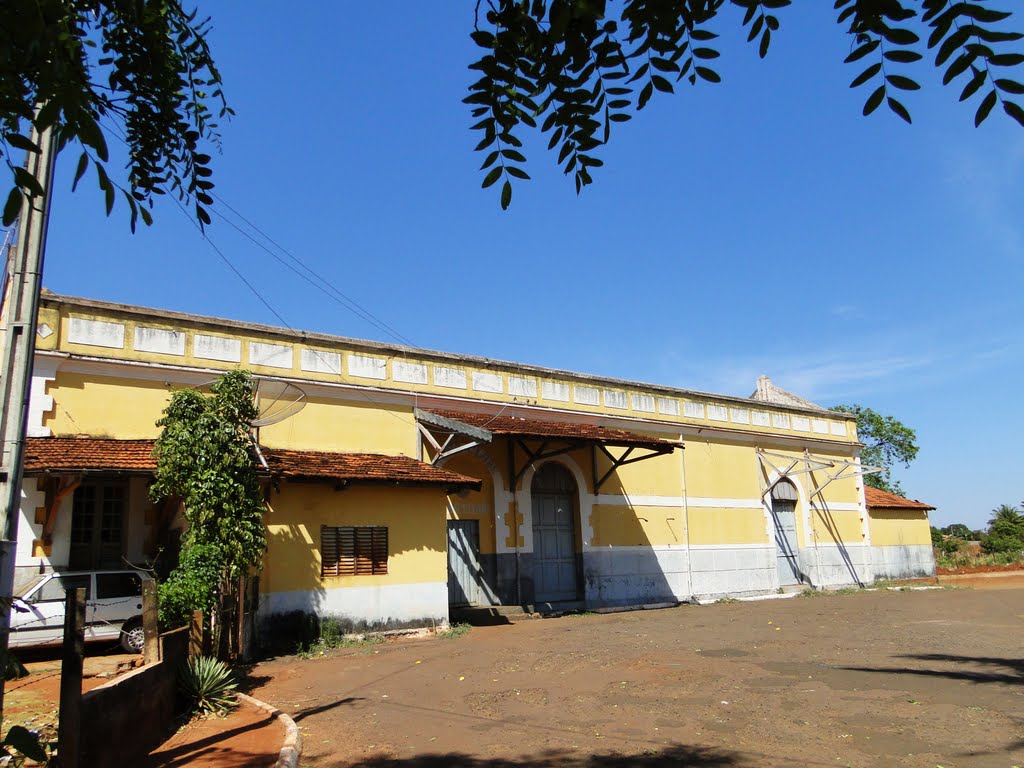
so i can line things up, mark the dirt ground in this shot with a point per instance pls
(33, 699)
(924, 678)
(245, 738)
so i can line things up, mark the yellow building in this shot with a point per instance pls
(404, 481)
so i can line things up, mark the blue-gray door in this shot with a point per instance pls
(784, 517)
(464, 571)
(554, 536)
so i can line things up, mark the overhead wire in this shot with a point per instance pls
(310, 276)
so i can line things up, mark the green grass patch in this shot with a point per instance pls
(454, 631)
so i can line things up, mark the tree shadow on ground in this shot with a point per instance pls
(1011, 672)
(308, 711)
(676, 756)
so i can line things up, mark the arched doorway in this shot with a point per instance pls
(555, 577)
(784, 498)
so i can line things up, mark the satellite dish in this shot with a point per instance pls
(276, 400)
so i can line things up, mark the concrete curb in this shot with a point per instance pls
(291, 747)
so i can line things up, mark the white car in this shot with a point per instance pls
(113, 608)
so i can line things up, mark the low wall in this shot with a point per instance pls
(125, 718)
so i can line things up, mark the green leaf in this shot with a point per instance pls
(708, 74)
(661, 84)
(874, 100)
(866, 75)
(899, 109)
(985, 108)
(18, 141)
(13, 206)
(1010, 86)
(83, 163)
(27, 181)
(901, 82)
(862, 51)
(1014, 111)
(506, 195)
(492, 176)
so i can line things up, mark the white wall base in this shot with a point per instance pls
(635, 575)
(903, 562)
(733, 570)
(829, 565)
(388, 604)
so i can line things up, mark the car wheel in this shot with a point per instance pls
(133, 637)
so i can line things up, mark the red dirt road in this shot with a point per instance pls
(871, 679)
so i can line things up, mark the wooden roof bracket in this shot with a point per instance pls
(619, 461)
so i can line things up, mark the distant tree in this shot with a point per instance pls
(959, 530)
(578, 67)
(937, 537)
(1005, 530)
(887, 441)
(87, 68)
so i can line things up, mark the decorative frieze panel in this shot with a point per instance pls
(96, 333)
(408, 373)
(642, 403)
(159, 340)
(453, 378)
(217, 348)
(668, 406)
(780, 420)
(718, 413)
(488, 382)
(739, 415)
(614, 399)
(521, 386)
(316, 361)
(693, 410)
(760, 419)
(554, 390)
(270, 355)
(367, 367)
(819, 426)
(801, 424)
(586, 395)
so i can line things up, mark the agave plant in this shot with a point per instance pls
(209, 684)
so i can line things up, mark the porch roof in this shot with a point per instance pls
(483, 425)
(877, 499)
(362, 468)
(79, 455)
(66, 455)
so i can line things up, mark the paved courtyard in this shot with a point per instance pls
(932, 678)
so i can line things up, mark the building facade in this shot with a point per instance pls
(404, 481)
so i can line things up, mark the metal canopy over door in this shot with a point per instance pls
(554, 535)
(464, 572)
(784, 499)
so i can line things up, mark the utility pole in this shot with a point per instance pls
(26, 274)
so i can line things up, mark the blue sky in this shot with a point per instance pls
(759, 226)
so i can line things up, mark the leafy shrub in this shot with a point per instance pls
(191, 586)
(209, 685)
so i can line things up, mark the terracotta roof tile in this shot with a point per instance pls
(54, 454)
(95, 454)
(516, 425)
(362, 467)
(886, 500)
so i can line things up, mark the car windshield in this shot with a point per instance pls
(24, 589)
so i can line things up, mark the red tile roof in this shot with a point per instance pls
(362, 467)
(517, 425)
(885, 500)
(94, 454)
(88, 454)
